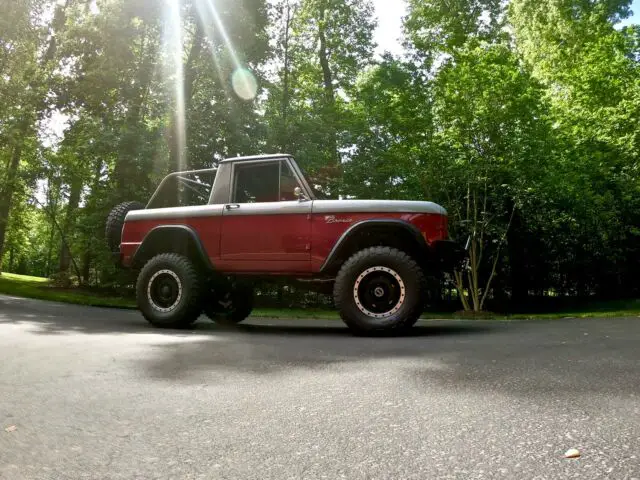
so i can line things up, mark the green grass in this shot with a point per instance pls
(23, 278)
(40, 288)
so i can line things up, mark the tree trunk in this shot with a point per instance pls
(327, 78)
(6, 195)
(178, 128)
(125, 168)
(74, 200)
(50, 250)
(86, 266)
(284, 140)
(517, 266)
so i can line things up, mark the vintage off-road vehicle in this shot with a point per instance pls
(205, 236)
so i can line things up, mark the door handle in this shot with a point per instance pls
(232, 206)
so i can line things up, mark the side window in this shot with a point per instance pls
(288, 183)
(256, 183)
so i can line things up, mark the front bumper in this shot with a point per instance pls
(448, 255)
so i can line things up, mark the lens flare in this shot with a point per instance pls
(173, 43)
(244, 84)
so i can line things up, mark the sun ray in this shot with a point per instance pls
(243, 81)
(174, 45)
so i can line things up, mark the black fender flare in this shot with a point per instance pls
(159, 236)
(364, 224)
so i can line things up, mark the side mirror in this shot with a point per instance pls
(299, 194)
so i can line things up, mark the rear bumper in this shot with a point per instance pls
(448, 255)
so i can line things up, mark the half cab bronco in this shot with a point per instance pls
(205, 236)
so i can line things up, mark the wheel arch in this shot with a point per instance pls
(377, 232)
(180, 239)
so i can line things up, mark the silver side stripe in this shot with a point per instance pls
(290, 207)
(175, 212)
(376, 206)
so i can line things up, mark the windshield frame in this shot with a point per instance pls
(185, 181)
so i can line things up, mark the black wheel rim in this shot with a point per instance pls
(379, 292)
(164, 290)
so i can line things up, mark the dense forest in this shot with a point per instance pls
(520, 117)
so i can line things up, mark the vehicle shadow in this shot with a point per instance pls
(48, 318)
(433, 328)
(523, 358)
(285, 345)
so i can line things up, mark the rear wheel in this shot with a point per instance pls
(230, 305)
(168, 291)
(378, 290)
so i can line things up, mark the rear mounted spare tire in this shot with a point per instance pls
(115, 222)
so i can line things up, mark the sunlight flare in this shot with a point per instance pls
(243, 81)
(174, 46)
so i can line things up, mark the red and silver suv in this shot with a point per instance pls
(206, 235)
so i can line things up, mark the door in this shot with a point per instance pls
(265, 227)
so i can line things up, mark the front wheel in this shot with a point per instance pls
(379, 289)
(168, 291)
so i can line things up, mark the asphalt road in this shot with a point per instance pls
(97, 394)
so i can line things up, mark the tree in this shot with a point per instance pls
(493, 141)
(391, 130)
(321, 47)
(591, 73)
(26, 74)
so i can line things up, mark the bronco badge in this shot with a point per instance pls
(333, 219)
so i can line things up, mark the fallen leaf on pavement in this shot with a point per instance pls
(11, 428)
(572, 453)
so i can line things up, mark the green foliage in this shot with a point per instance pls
(321, 48)
(522, 120)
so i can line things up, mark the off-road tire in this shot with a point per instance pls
(399, 262)
(241, 299)
(188, 307)
(115, 222)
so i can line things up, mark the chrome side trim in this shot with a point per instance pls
(175, 212)
(270, 208)
(376, 206)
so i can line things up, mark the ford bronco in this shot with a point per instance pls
(205, 236)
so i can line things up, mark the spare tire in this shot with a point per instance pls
(115, 222)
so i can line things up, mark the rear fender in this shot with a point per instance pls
(171, 239)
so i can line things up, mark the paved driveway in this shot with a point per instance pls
(97, 394)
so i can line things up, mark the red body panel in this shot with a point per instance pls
(207, 228)
(274, 244)
(265, 243)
